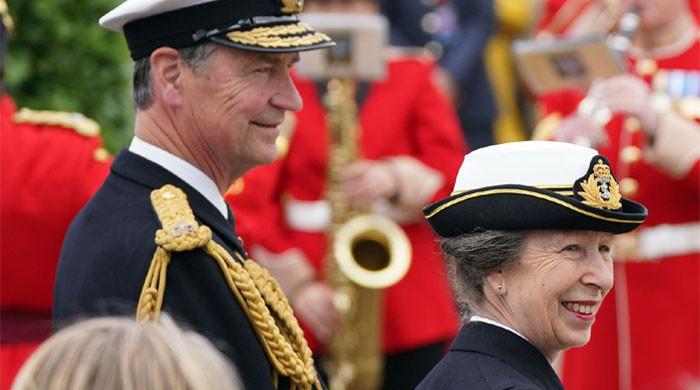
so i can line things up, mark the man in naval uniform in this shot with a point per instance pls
(211, 85)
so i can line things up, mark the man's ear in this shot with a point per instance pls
(166, 75)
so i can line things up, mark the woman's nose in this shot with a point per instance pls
(600, 273)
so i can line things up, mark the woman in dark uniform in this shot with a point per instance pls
(528, 234)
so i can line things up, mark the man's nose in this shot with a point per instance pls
(287, 97)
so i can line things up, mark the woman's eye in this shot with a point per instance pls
(571, 248)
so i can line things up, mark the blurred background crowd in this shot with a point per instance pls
(452, 83)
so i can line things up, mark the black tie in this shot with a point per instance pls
(230, 218)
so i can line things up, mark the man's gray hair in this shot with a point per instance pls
(472, 256)
(194, 56)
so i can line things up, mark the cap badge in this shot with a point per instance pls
(600, 188)
(292, 6)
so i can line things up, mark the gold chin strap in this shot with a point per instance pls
(256, 291)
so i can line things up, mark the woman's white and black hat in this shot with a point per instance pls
(257, 25)
(535, 185)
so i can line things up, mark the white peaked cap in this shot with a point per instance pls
(534, 185)
(138, 9)
(269, 26)
(531, 163)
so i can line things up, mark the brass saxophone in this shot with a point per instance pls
(366, 253)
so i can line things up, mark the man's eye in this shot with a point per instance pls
(604, 248)
(263, 70)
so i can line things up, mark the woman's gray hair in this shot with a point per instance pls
(194, 56)
(472, 256)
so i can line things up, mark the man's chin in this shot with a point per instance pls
(268, 158)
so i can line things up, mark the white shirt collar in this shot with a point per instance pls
(476, 318)
(182, 169)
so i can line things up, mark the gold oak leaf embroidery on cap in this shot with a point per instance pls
(600, 189)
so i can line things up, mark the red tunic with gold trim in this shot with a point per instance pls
(49, 171)
(647, 333)
(402, 115)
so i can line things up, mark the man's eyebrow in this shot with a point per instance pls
(275, 59)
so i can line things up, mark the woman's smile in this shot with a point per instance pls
(583, 310)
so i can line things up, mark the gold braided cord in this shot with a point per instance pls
(275, 298)
(281, 337)
(180, 233)
(151, 299)
(255, 290)
(287, 35)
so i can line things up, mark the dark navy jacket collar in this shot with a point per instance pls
(509, 348)
(146, 173)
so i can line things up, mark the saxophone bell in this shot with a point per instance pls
(372, 251)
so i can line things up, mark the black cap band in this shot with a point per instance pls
(177, 28)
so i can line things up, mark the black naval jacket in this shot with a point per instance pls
(109, 247)
(487, 357)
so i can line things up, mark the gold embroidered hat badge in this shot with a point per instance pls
(598, 188)
(292, 6)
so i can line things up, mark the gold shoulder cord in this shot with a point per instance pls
(256, 291)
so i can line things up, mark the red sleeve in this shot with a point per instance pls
(692, 179)
(440, 143)
(564, 102)
(255, 201)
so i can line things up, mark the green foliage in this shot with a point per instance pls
(61, 59)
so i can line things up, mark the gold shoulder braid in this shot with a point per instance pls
(256, 291)
(72, 120)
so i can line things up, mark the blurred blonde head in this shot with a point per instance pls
(120, 353)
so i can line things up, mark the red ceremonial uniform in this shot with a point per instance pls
(401, 115)
(49, 171)
(647, 333)
(560, 16)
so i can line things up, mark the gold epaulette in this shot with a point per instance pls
(257, 293)
(71, 120)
